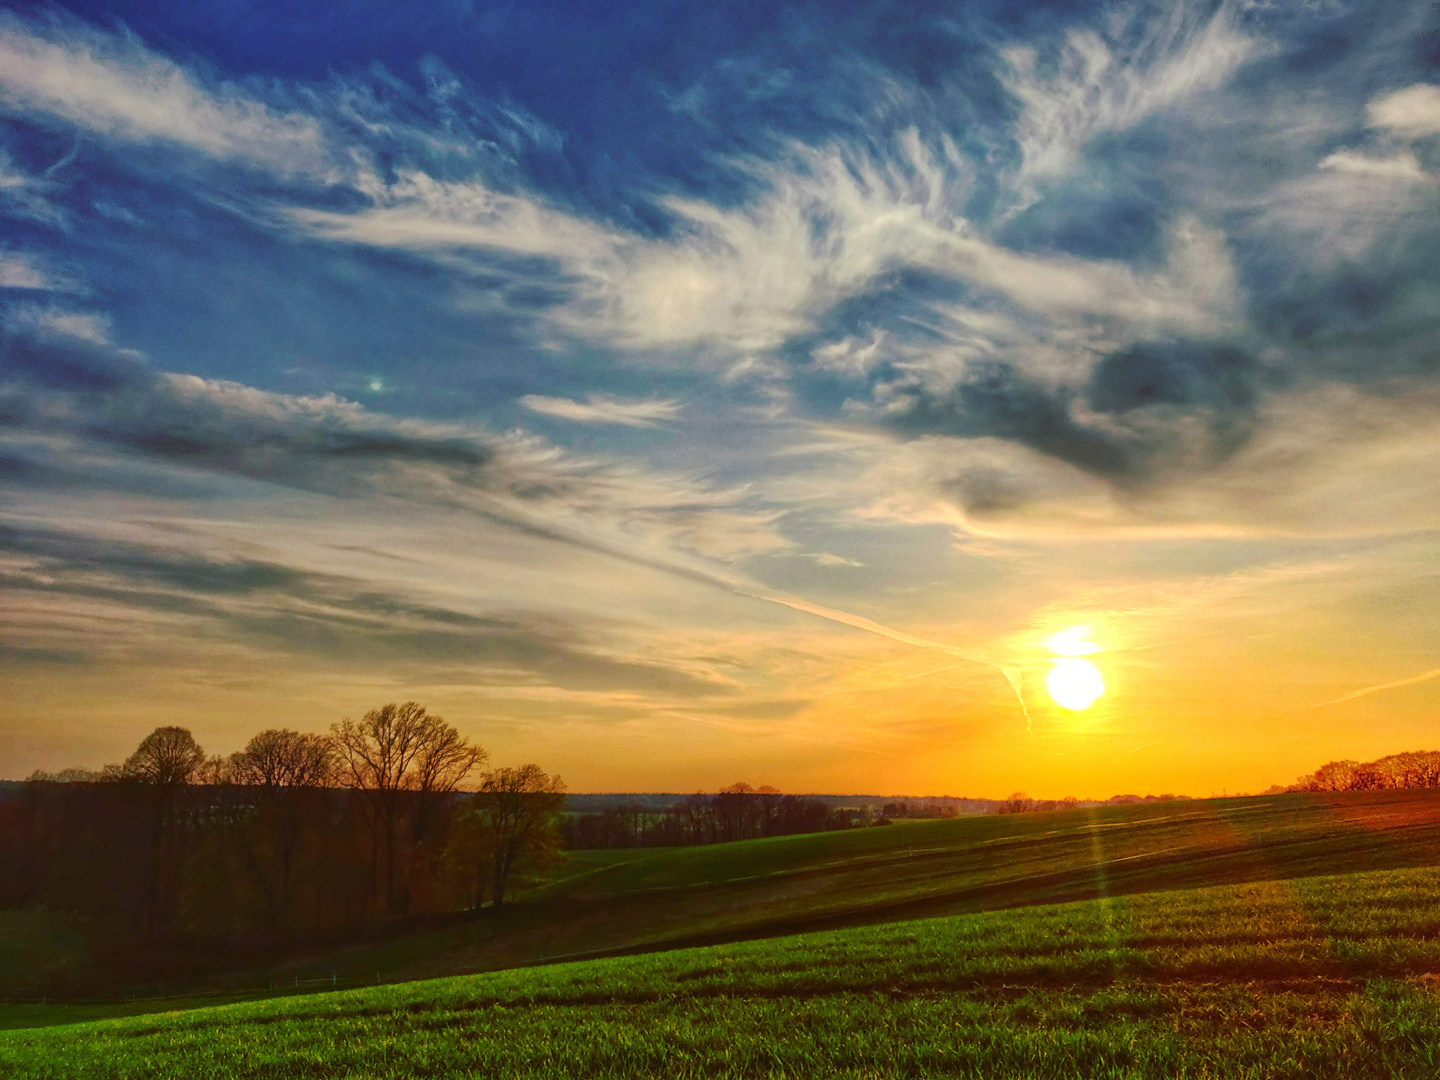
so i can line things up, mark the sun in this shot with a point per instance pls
(1074, 683)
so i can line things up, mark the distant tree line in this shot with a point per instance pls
(739, 812)
(1411, 769)
(893, 811)
(295, 837)
(1020, 803)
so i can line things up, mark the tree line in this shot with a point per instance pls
(738, 812)
(1411, 769)
(295, 837)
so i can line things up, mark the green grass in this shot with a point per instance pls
(612, 902)
(1330, 976)
(37, 947)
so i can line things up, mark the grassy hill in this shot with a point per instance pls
(1314, 977)
(611, 902)
(608, 902)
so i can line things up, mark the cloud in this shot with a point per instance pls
(26, 197)
(1400, 166)
(1413, 111)
(65, 380)
(1320, 460)
(19, 272)
(56, 578)
(604, 409)
(59, 324)
(1098, 83)
(825, 558)
(110, 84)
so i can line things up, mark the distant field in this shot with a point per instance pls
(1314, 977)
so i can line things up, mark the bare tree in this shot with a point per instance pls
(167, 756)
(392, 751)
(280, 758)
(516, 812)
(1332, 776)
(769, 800)
(283, 769)
(166, 760)
(75, 774)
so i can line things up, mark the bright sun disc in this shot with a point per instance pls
(1074, 683)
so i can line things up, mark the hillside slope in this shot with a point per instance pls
(1319, 977)
(611, 902)
(625, 901)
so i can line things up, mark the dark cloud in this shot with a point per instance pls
(54, 381)
(1182, 374)
(996, 401)
(983, 490)
(1124, 425)
(330, 617)
(1364, 319)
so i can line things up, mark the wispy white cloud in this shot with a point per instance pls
(1413, 111)
(19, 272)
(1399, 166)
(1097, 84)
(110, 84)
(827, 558)
(66, 380)
(27, 197)
(87, 326)
(604, 409)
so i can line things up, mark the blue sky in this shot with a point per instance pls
(675, 395)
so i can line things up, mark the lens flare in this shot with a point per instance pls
(1075, 684)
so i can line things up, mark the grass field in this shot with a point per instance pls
(610, 902)
(1330, 976)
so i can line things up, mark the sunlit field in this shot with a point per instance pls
(1286, 970)
(1319, 977)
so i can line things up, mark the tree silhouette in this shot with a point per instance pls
(165, 761)
(283, 770)
(393, 750)
(514, 812)
(168, 756)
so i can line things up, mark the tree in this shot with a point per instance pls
(1018, 803)
(392, 751)
(168, 756)
(514, 814)
(75, 774)
(166, 760)
(735, 811)
(769, 800)
(280, 758)
(1332, 776)
(284, 769)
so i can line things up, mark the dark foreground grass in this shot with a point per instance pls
(1315, 977)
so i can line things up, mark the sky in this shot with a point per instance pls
(677, 394)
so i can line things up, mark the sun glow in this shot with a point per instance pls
(1072, 642)
(1074, 683)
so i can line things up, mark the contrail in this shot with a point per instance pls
(738, 586)
(859, 622)
(1434, 673)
